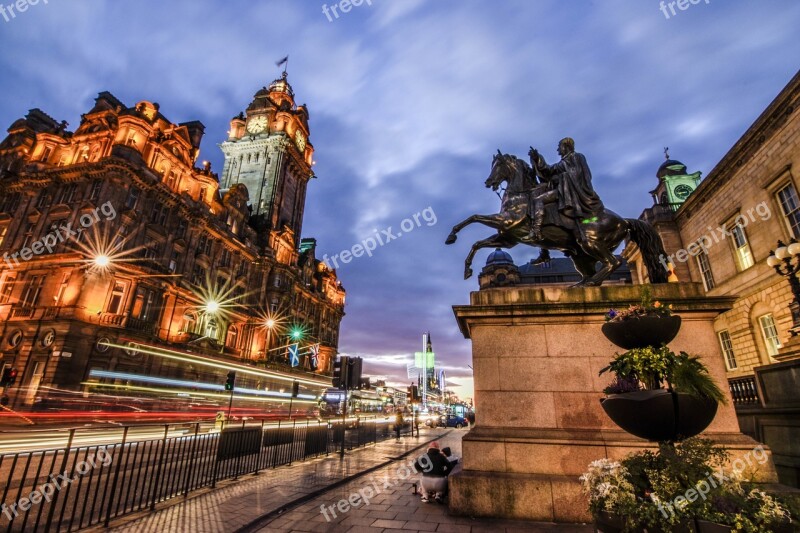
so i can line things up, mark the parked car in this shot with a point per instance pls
(453, 421)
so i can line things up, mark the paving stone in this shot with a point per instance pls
(395, 508)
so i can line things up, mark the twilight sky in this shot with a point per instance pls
(408, 101)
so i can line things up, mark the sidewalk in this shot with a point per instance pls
(290, 499)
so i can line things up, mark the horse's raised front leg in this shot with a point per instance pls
(493, 221)
(492, 242)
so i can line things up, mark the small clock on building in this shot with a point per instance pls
(300, 140)
(257, 124)
(682, 191)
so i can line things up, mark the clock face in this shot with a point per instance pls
(257, 124)
(300, 140)
(682, 191)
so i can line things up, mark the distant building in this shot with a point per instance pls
(500, 271)
(161, 254)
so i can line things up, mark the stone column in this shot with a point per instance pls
(536, 355)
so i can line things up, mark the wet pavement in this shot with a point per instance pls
(328, 495)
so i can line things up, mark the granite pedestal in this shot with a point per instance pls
(536, 353)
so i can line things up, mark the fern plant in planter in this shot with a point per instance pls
(676, 396)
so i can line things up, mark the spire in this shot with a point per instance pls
(430, 346)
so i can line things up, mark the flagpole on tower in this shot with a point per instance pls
(285, 63)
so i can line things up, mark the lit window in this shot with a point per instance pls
(117, 297)
(790, 205)
(8, 286)
(61, 288)
(705, 270)
(30, 297)
(173, 261)
(770, 334)
(727, 349)
(744, 256)
(3, 231)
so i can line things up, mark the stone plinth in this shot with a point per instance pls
(536, 353)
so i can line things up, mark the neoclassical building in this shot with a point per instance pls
(720, 231)
(119, 248)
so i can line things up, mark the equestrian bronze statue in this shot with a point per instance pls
(555, 207)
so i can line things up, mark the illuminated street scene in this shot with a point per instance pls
(399, 265)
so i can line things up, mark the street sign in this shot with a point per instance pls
(412, 371)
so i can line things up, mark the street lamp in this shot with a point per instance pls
(102, 261)
(786, 262)
(212, 306)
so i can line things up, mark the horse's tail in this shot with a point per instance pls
(652, 248)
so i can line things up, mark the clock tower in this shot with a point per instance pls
(675, 184)
(268, 152)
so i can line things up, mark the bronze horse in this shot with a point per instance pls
(594, 242)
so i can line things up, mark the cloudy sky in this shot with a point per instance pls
(409, 99)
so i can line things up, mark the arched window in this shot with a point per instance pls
(233, 337)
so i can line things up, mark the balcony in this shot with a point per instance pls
(143, 326)
(22, 312)
(111, 319)
(744, 391)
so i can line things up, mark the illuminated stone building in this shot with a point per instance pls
(721, 234)
(164, 255)
(738, 213)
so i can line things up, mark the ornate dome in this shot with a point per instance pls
(671, 167)
(499, 257)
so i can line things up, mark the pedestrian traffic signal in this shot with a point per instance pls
(340, 367)
(231, 381)
(295, 389)
(9, 376)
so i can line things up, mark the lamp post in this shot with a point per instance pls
(786, 262)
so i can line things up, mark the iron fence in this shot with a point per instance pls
(75, 487)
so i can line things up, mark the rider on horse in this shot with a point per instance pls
(573, 189)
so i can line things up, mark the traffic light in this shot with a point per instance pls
(354, 373)
(415, 393)
(340, 367)
(295, 389)
(231, 381)
(9, 376)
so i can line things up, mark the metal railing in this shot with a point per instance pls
(744, 390)
(75, 487)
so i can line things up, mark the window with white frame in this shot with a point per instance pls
(8, 287)
(744, 257)
(770, 334)
(705, 270)
(790, 206)
(117, 298)
(727, 349)
(30, 296)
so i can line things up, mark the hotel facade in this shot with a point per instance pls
(128, 267)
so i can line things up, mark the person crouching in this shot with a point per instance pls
(434, 467)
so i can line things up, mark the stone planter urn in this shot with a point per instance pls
(641, 332)
(660, 415)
